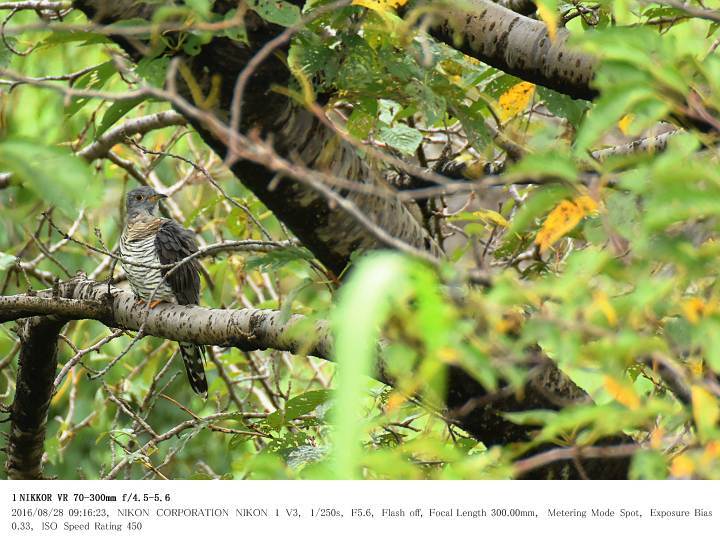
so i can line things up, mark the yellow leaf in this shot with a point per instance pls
(515, 99)
(511, 322)
(380, 6)
(712, 452)
(693, 309)
(395, 400)
(625, 122)
(550, 18)
(601, 302)
(491, 216)
(696, 366)
(706, 411)
(656, 438)
(586, 204)
(622, 392)
(563, 219)
(448, 355)
(682, 466)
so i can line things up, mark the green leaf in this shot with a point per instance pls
(304, 455)
(403, 138)
(608, 110)
(364, 304)
(298, 406)
(550, 164)
(115, 112)
(275, 260)
(276, 11)
(153, 70)
(94, 80)
(648, 465)
(6, 261)
(57, 176)
(563, 106)
(360, 124)
(237, 32)
(201, 476)
(5, 53)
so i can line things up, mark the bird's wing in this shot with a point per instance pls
(173, 243)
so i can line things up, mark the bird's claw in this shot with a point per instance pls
(153, 303)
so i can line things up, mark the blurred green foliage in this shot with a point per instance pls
(626, 291)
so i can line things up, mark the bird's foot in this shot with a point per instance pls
(154, 303)
(139, 302)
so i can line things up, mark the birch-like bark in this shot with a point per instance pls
(328, 230)
(512, 43)
(247, 329)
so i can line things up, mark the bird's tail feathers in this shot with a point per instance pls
(193, 357)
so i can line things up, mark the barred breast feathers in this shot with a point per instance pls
(141, 228)
(137, 244)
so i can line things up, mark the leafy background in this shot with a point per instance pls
(610, 266)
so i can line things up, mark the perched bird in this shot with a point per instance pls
(153, 240)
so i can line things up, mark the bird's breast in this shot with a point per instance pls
(140, 262)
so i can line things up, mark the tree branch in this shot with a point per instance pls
(246, 329)
(137, 126)
(469, 406)
(512, 43)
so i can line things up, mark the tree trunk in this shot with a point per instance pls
(29, 410)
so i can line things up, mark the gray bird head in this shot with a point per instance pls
(142, 201)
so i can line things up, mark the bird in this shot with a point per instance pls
(152, 240)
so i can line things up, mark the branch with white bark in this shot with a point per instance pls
(43, 314)
(513, 43)
(248, 329)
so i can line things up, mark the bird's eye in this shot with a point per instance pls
(138, 197)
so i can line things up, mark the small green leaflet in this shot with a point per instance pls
(305, 455)
(94, 80)
(115, 112)
(402, 137)
(298, 406)
(278, 258)
(5, 54)
(276, 11)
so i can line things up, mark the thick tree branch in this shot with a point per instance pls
(513, 43)
(469, 406)
(651, 144)
(246, 329)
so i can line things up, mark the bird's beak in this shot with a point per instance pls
(156, 197)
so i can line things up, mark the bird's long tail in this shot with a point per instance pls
(193, 357)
